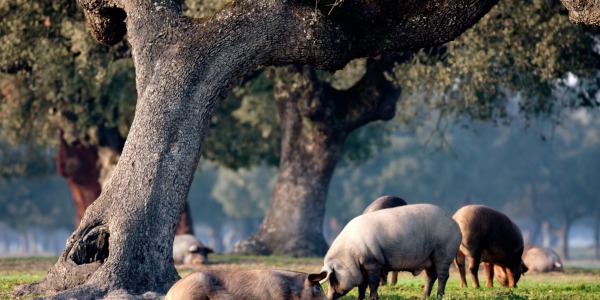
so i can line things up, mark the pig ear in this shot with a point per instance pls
(327, 270)
(317, 277)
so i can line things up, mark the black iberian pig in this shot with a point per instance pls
(187, 249)
(489, 236)
(384, 202)
(406, 238)
(248, 284)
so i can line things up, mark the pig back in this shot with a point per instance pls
(239, 284)
(541, 259)
(402, 238)
(181, 249)
(383, 203)
(489, 233)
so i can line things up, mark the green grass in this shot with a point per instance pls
(575, 283)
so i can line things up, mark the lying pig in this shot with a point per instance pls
(248, 284)
(490, 237)
(406, 238)
(383, 203)
(541, 259)
(187, 249)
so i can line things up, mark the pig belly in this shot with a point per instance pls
(415, 266)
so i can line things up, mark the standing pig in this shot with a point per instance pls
(383, 203)
(541, 259)
(490, 237)
(187, 249)
(248, 284)
(407, 238)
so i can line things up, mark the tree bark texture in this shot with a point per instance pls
(87, 168)
(583, 11)
(184, 68)
(315, 120)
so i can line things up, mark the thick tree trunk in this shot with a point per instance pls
(88, 168)
(597, 236)
(185, 225)
(315, 120)
(309, 154)
(79, 165)
(183, 69)
(564, 237)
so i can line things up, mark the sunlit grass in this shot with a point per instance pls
(575, 283)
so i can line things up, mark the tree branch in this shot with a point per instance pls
(583, 11)
(327, 38)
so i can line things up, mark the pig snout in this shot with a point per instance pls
(197, 255)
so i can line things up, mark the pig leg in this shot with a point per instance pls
(431, 278)
(510, 276)
(373, 276)
(362, 288)
(489, 274)
(443, 274)
(394, 278)
(383, 280)
(460, 266)
(474, 268)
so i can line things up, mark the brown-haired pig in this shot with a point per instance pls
(384, 202)
(542, 259)
(489, 236)
(248, 284)
(409, 238)
(187, 249)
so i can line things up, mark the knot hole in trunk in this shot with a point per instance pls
(92, 247)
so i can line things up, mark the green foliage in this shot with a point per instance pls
(245, 130)
(521, 48)
(496, 166)
(25, 159)
(56, 76)
(36, 202)
(245, 193)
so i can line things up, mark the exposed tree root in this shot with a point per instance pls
(86, 251)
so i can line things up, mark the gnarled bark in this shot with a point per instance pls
(86, 169)
(183, 69)
(315, 120)
(583, 11)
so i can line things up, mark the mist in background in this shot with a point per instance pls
(544, 175)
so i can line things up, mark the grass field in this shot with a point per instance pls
(575, 283)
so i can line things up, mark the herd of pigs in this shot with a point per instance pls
(389, 236)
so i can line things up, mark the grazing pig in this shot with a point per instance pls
(490, 237)
(406, 238)
(383, 203)
(187, 249)
(542, 259)
(248, 284)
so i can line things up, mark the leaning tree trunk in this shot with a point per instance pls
(315, 120)
(87, 168)
(184, 68)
